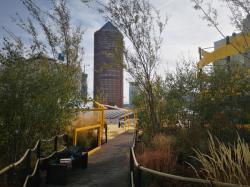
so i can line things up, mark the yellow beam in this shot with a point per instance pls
(91, 110)
(74, 137)
(76, 130)
(243, 126)
(238, 44)
(87, 128)
(91, 152)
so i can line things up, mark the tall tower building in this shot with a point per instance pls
(108, 65)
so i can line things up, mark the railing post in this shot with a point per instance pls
(28, 162)
(55, 143)
(131, 160)
(66, 140)
(138, 178)
(102, 124)
(131, 168)
(99, 140)
(38, 150)
(106, 133)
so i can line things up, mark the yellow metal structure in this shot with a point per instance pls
(238, 44)
(82, 129)
(99, 108)
(99, 126)
(127, 120)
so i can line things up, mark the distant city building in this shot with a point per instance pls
(108, 65)
(84, 86)
(243, 59)
(133, 90)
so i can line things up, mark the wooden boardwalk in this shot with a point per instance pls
(108, 167)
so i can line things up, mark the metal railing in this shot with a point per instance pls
(25, 172)
(99, 125)
(137, 170)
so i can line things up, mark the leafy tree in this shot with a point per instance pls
(181, 89)
(140, 22)
(38, 94)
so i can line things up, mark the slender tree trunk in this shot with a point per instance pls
(152, 112)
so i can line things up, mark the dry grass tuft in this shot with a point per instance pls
(226, 163)
(160, 156)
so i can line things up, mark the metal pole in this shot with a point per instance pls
(106, 133)
(28, 162)
(102, 125)
(99, 136)
(131, 160)
(138, 180)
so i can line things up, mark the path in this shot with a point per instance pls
(109, 167)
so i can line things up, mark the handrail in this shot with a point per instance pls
(90, 110)
(36, 145)
(7, 168)
(52, 154)
(134, 158)
(89, 127)
(170, 176)
(48, 140)
(190, 179)
(32, 174)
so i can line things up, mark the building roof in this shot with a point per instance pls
(109, 27)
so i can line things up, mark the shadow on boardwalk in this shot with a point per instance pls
(109, 167)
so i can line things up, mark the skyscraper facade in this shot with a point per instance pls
(108, 65)
(84, 85)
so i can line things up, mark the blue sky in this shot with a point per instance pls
(184, 33)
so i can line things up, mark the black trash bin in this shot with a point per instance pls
(57, 174)
(79, 158)
(80, 161)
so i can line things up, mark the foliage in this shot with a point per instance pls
(239, 10)
(38, 95)
(51, 32)
(215, 101)
(87, 140)
(140, 22)
(36, 101)
(180, 92)
(160, 154)
(226, 163)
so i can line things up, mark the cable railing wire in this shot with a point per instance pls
(136, 173)
(24, 172)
